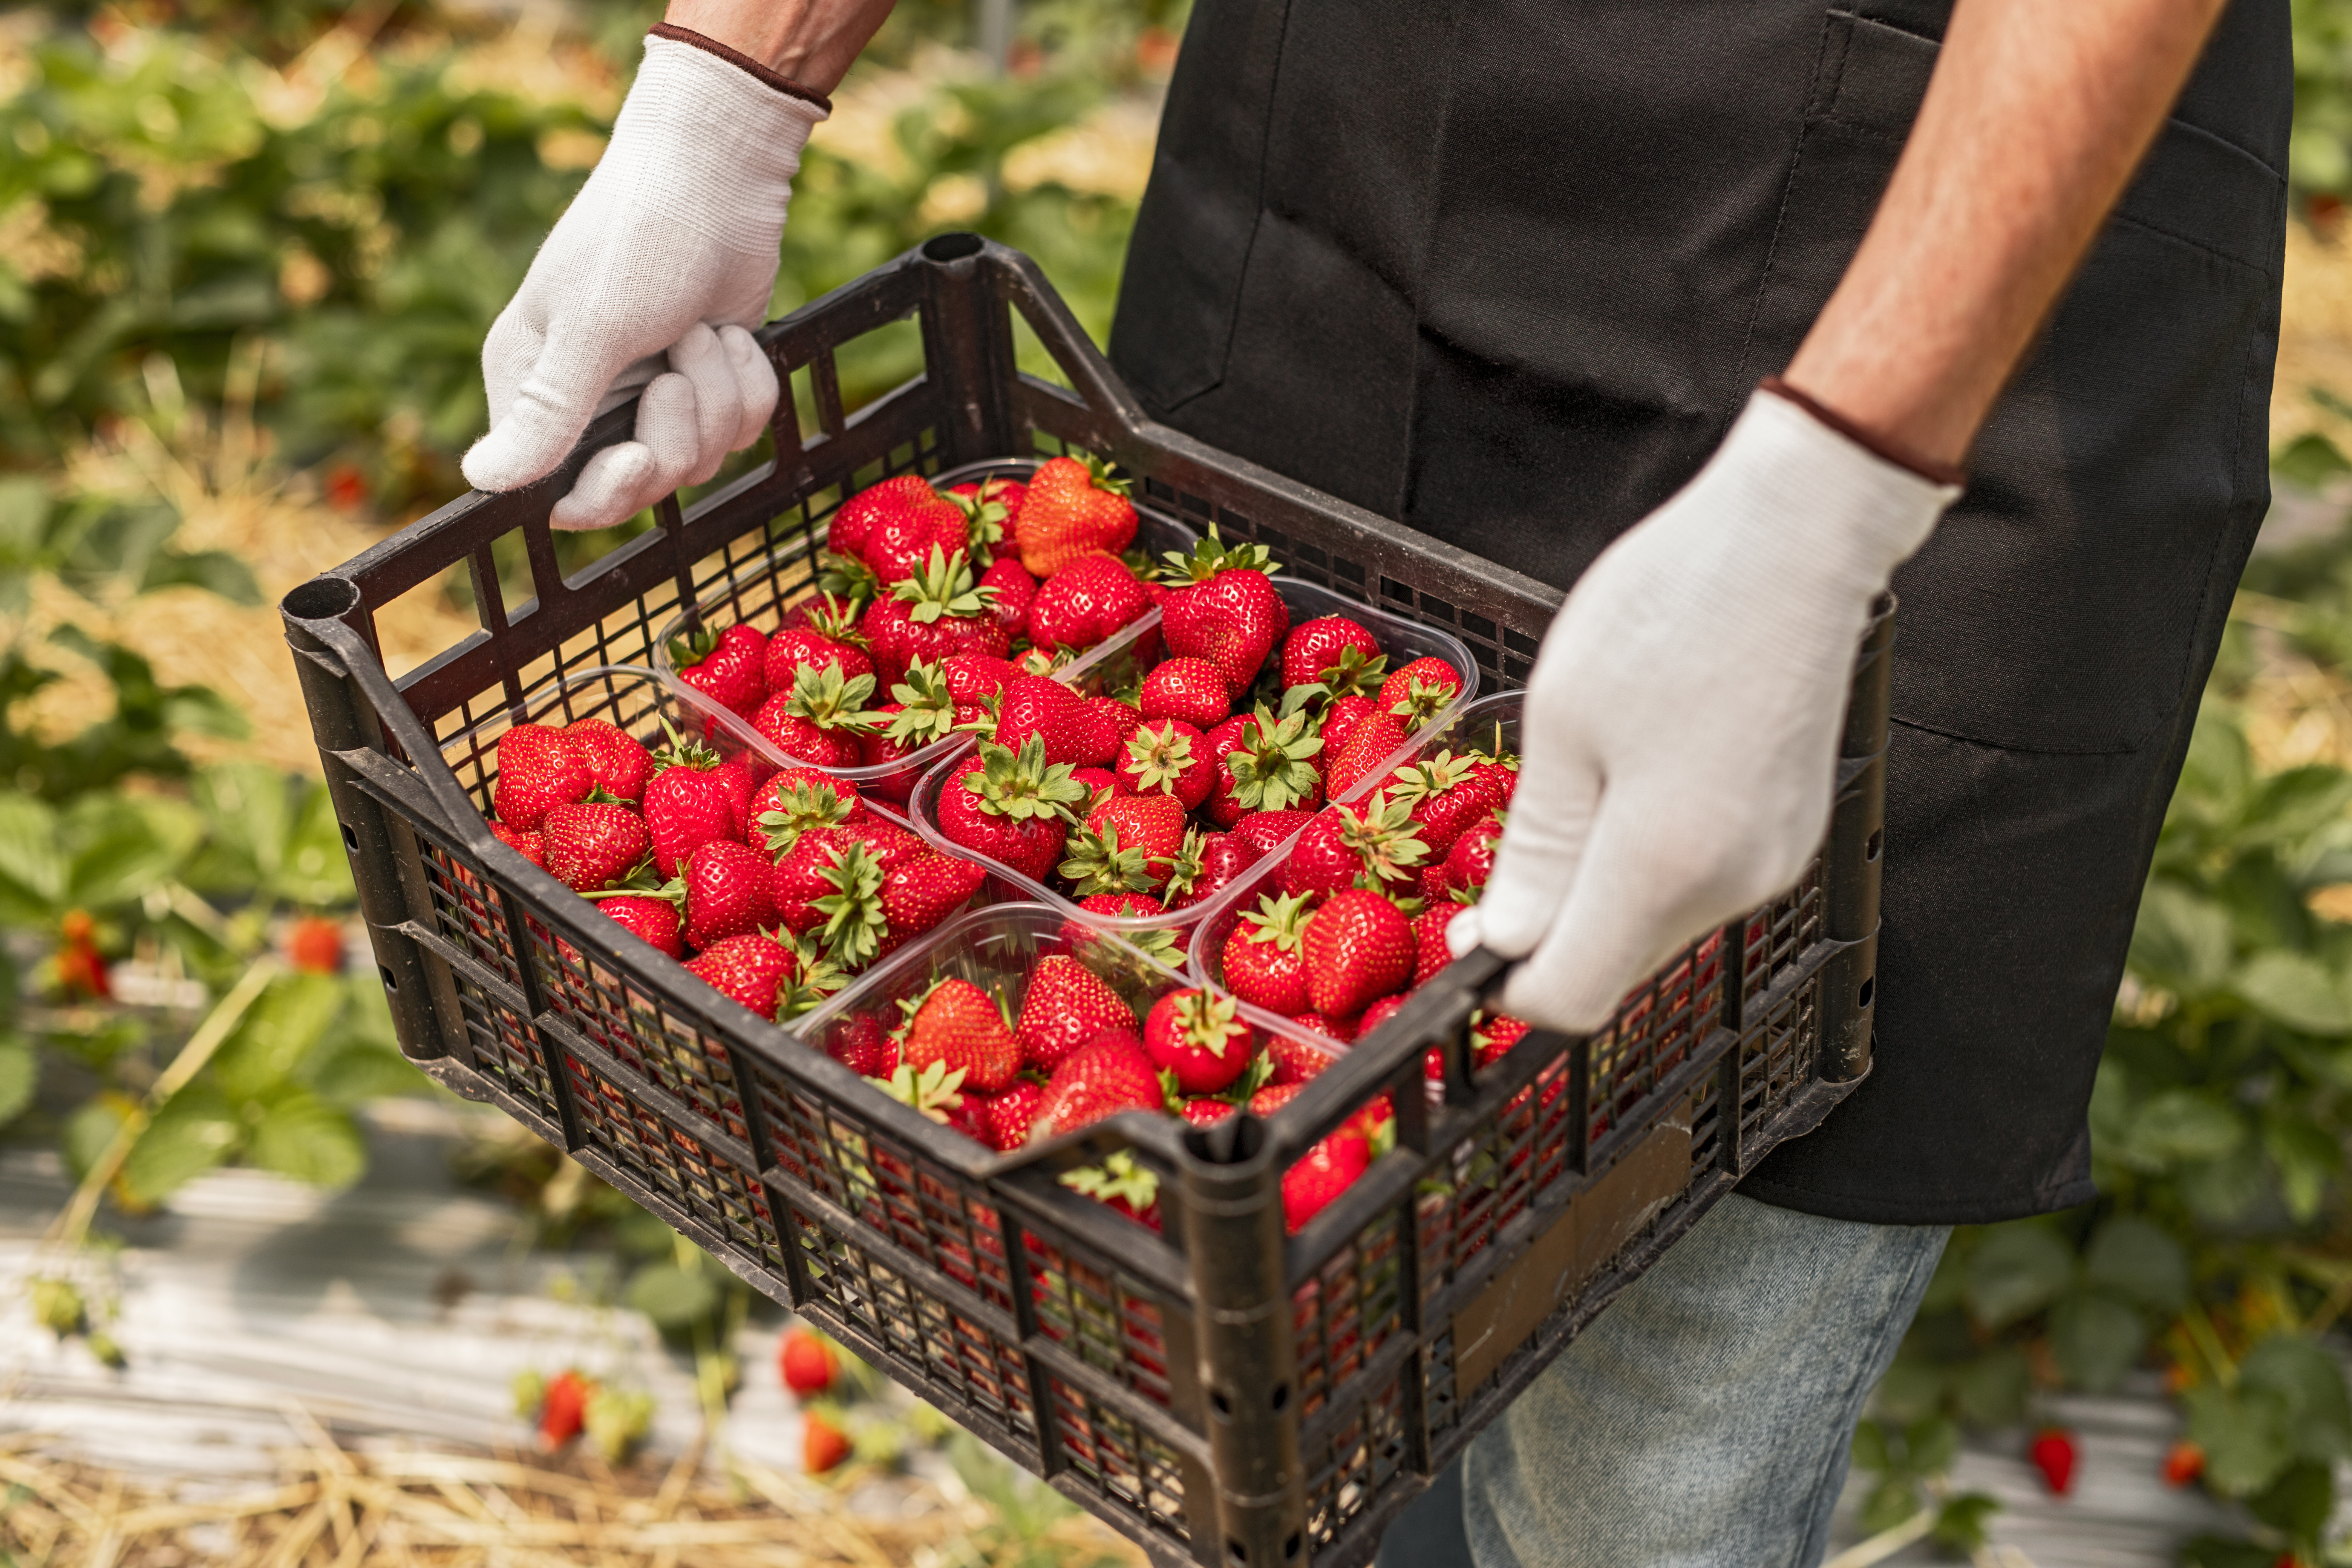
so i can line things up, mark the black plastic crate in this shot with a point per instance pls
(1220, 1393)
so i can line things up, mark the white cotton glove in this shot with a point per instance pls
(1679, 742)
(667, 255)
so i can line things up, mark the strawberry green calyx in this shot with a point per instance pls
(1160, 945)
(1280, 918)
(984, 520)
(1184, 867)
(935, 1091)
(849, 581)
(685, 652)
(801, 805)
(910, 1005)
(1097, 864)
(855, 920)
(1498, 752)
(681, 751)
(1206, 1021)
(1116, 1178)
(1098, 473)
(1421, 702)
(944, 587)
(1357, 674)
(1271, 770)
(1019, 784)
(1162, 755)
(927, 707)
(1386, 839)
(835, 619)
(1212, 556)
(828, 699)
(1429, 778)
(814, 978)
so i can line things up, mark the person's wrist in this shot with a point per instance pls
(1889, 448)
(759, 71)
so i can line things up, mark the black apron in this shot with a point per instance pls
(1506, 270)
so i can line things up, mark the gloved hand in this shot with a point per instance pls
(668, 254)
(1679, 741)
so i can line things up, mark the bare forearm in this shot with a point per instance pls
(812, 41)
(2032, 123)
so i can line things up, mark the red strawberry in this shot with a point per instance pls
(531, 847)
(1108, 725)
(803, 876)
(1203, 1112)
(1128, 845)
(1272, 1097)
(651, 920)
(729, 890)
(1417, 691)
(1375, 738)
(729, 667)
(2053, 1453)
(619, 765)
(819, 718)
(690, 801)
(920, 892)
(563, 1409)
(1005, 494)
(1494, 1036)
(964, 1028)
(889, 844)
(1036, 705)
(905, 537)
(1087, 601)
(746, 970)
(1263, 764)
(1380, 843)
(1446, 794)
(1294, 1060)
(1468, 865)
(1429, 952)
(1200, 1037)
(794, 801)
(1192, 690)
(1225, 611)
(1121, 1184)
(1321, 1174)
(2183, 1463)
(1339, 721)
(1010, 807)
(539, 769)
(1379, 1013)
(858, 516)
(806, 1362)
(1168, 756)
(1010, 592)
(789, 652)
(593, 845)
(1066, 1006)
(1102, 1079)
(1261, 959)
(859, 1042)
(1264, 832)
(1206, 865)
(1340, 1030)
(1003, 1120)
(1073, 507)
(927, 616)
(1359, 948)
(1102, 785)
(823, 1445)
(1313, 655)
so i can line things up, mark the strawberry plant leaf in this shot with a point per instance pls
(301, 1136)
(20, 1075)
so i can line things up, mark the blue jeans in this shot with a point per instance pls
(1703, 1421)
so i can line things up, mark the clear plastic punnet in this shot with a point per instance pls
(753, 597)
(1165, 934)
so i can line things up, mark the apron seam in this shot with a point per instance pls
(1842, 40)
(1418, 293)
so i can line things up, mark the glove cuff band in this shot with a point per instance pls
(742, 61)
(1878, 445)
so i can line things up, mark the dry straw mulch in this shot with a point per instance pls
(335, 1509)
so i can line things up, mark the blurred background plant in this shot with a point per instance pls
(248, 249)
